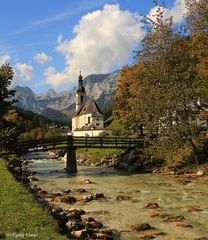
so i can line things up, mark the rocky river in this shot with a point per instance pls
(136, 206)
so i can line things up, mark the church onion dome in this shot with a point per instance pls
(80, 89)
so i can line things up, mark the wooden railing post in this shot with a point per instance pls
(116, 140)
(101, 142)
(70, 141)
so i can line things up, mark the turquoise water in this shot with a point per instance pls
(169, 192)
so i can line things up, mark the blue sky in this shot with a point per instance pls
(47, 42)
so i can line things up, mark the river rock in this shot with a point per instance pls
(58, 194)
(67, 191)
(42, 193)
(184, 225)
(195, 208)
(76, 210)
(123, 197)
(101, 236)
(81, 234)
(93, 224)
(56, 210)
(151, 205)
(74, 225)
(32, 178)
(68, 199)
(87, 198)
(89, 219)
(74, 216)
(170, 218)
(35, 189)
(141, 227)
(200, 173)
(87, 181)
(98, 195)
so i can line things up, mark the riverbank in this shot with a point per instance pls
(20, 216)
(133, 161)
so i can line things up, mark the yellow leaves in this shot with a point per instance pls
(11, 116)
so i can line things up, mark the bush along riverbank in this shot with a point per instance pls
(21, 216)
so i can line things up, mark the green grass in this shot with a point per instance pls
(96, 154)
(20, 215)
(112, 123)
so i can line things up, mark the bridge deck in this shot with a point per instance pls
(79, 142)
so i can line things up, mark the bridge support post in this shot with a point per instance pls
(71, 161)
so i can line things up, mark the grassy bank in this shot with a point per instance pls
(20, 216)
(96, 154)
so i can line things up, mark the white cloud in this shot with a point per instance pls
(177, 11)
(103, 39)
(60, 38)
(4, 59)
(24, 71)
(42, 58)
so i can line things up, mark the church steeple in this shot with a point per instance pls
(80, 96)
(80, 79)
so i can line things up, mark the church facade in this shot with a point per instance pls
(88, 118)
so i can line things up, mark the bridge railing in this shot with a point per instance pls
(80, 142)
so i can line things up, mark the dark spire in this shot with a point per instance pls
(80, 79)
(80, 84)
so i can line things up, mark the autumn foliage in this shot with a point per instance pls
(165, 90)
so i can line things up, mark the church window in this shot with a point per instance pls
(97, 124)
(88, 119)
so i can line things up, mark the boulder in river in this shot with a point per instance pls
(68, 199)
(200, 173)
(92, 224)
(81, 234)
(74, 216)
(102, 236)
(87, 181)
(76, 210)
(151, 205)
(123, 197)
(74, 225)
(87, 198)
(141, 227)
(98, 195)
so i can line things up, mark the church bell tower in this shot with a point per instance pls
(80, 95)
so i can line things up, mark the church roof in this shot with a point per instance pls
(90, 106)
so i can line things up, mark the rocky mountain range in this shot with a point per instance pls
(60, 106)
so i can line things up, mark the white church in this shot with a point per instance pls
(88, 118)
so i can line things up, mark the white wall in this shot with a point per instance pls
(78, 122)
(91, 133)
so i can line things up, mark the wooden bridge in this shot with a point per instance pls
(72, 143)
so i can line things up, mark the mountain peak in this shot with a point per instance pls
(51, 91)
(101, 87)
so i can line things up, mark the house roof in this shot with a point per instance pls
(90, 106)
